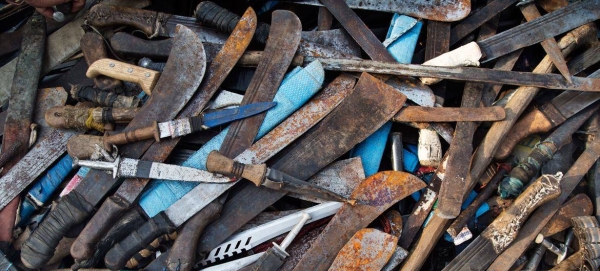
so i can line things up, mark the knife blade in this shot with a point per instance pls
(134, 168)
(81, 146)
(181, 127)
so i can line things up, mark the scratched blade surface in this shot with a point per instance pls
(133, 168)
(219, 117)
(472, 255)
(443, 10)
(539, 29)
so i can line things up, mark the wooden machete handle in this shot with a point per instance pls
(146, 78)
(534, 122)
(218, 163)
(93, 48)
(82, 146)
(144, 20)
(506, 226)
(132, 136)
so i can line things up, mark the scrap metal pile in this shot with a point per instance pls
(301, 135)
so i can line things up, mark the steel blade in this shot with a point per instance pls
(539, 29)
(134, 168)
(219, 117)
(445, 10)
(291, 184)
(248, 239)
(471, 258)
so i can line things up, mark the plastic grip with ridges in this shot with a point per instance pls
(72, 210)
(119, 254)
(212, 15)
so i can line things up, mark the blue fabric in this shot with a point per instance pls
(45, 187)
(410, 158)
(400, 41)
(295, 90)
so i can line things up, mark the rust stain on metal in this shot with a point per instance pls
(369, 249)
(376, 193)
(299, 122)
(449, 114)
(579, 205)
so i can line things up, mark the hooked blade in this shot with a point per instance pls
(181, 127)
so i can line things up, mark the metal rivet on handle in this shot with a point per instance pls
(111, 64)
(130, 70)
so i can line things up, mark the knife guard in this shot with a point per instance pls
(507, 225)
(120, 253)
(212, 15)
(218, 163)
(152, 23)
(94, 48)
(533, 122)
(40, 246)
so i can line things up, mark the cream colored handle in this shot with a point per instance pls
(146, 78)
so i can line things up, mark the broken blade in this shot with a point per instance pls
(181, 127)
(134, 168)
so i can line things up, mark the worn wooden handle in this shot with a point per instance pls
(105, 16)
(114, 115)
(506, 226)
(534, 122)
(94, 48)
(109, 213)
(146, 78)
(218, 163)
(132, 136)
(82, 146)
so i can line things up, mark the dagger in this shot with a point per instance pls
(268, 177)
(79, 145)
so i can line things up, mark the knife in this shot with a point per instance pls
(81, 146)
(268, 177)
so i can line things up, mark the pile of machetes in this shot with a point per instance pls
(297, 135)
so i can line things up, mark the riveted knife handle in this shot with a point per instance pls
(182, 256)
(146, 78)
(109, 213)
(82, 146)
(71, 210)
(218, 163)
(506, 226)
(94, 48)
(119, 254)
(212, 15)
(150, 22)
(132, 136)
(534, 122)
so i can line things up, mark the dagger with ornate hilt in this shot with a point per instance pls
(82, 146)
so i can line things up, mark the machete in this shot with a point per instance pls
(381, 190)
(82, 146)
(121, 201)
(502, 232)
(550, 45)
(20, 112)
(75, 207)
(368, 249)
(445, 11)
(549, 81)
(162, 24)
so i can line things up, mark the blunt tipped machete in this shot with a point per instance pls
(81, 146)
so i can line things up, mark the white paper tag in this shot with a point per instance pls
(463, 236)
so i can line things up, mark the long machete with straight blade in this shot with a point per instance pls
(128, 192)
(188, 59)
(549, 81)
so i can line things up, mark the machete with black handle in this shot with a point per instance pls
(74, 208)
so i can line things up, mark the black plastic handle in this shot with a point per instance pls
(71, 211)
(212, 15)
(119, 254)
